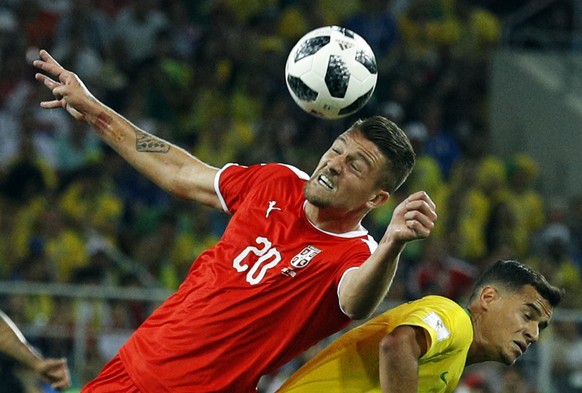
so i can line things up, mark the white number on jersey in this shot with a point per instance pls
(269, 257)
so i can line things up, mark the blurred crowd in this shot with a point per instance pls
(208, 75)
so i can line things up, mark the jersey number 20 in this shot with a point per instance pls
(268, 257)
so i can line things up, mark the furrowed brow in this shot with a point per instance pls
(538, 312)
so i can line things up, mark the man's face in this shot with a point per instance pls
(512, 323)
(347, 174)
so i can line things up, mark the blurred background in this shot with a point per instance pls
(489, 92)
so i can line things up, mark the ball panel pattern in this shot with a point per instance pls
(356, 105)
(301, 90)
(311, 46)
(367, 61)
(347, 32)
(337, 76)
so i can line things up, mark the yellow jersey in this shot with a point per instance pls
(350, 364)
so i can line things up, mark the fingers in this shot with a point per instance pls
(420, 214)
(61, 385)
(421, 203)
(48, 60)
(75, 113)
(57, 373)
(421, 229)
(422, 196)
(48, 82)
(56, 88)
(53, 69)
(50, 65)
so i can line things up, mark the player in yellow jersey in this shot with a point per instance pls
(423, 346)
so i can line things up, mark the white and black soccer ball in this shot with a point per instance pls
(331, 72)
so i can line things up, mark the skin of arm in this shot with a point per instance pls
(364, 288)
(14, 345)
(399, 354)
(170, 167)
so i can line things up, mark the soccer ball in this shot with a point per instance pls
(331, 72)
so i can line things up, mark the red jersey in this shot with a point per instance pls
(265, 293)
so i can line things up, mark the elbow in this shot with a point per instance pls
(389, 344)
(357, 313)
(357, 307)
(358, 316)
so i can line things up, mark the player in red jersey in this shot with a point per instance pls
(293, 266)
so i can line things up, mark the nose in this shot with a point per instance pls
(532, 333)
(335, 163)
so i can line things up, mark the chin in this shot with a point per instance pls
(317, 202)
(314, 199)
(509, 360)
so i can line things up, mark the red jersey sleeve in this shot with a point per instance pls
(233, 182)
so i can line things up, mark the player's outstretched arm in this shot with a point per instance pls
(363, 289)
(167, 165)
(14, 345)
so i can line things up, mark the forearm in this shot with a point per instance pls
(170, 167)
(167, 165)
(363, 289)
(14, 345)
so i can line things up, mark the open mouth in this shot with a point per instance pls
(522, 347)
(324, 181)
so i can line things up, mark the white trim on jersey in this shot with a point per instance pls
(361, 231)
(340, 285)
(217, 187)
(372, 243)
(300, 174)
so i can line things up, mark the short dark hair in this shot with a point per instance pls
(394, 145)
(514, 275)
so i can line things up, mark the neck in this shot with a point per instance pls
(475, 354)
(332, 220)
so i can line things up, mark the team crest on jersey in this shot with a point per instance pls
(302, 259)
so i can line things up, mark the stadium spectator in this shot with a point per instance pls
(525, 200)
(567, 358)
(136, 27)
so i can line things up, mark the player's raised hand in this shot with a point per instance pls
(413, 218)
(69, 91)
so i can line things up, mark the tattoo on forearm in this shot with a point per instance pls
(149, 143)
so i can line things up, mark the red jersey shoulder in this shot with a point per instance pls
(331, 253)
(235, 182)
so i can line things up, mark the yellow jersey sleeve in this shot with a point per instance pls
(350, 364)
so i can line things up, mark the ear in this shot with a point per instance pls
(378, 199)
(488, 296)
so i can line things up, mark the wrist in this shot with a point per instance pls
(390, 246)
